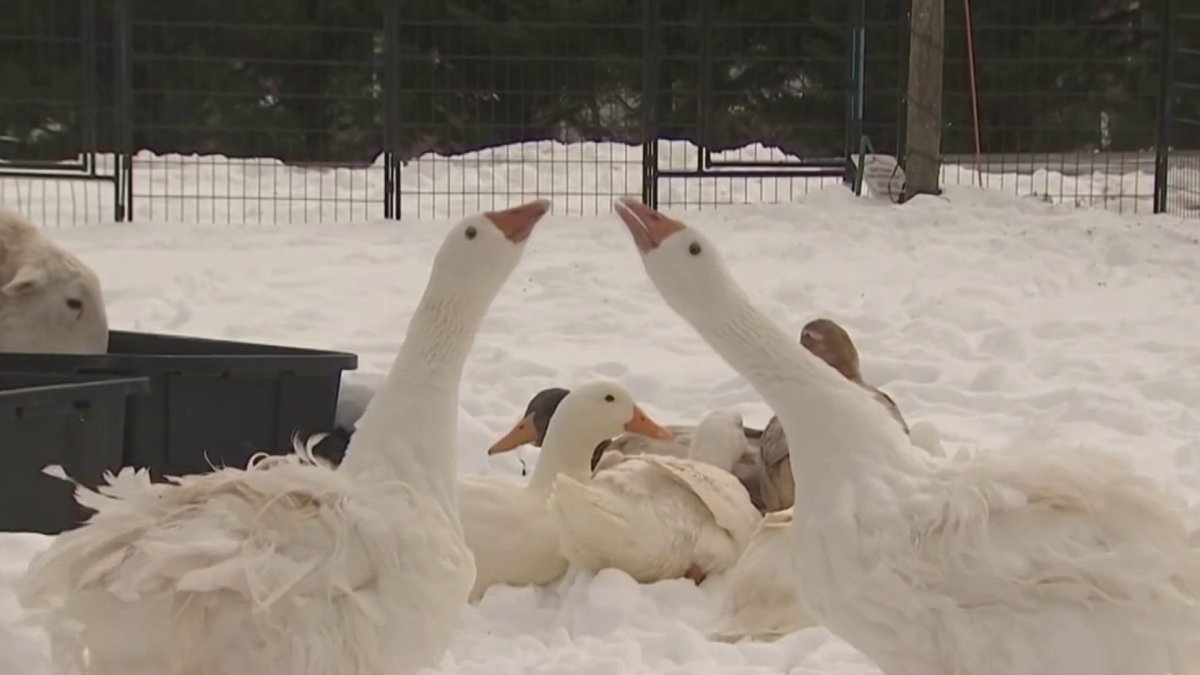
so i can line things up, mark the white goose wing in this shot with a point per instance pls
(720, 491)
(258, 533)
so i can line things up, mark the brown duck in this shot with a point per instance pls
(831, 343)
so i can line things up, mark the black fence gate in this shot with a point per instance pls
(746, 100)
(61, 120)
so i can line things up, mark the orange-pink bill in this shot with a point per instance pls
(517, 223)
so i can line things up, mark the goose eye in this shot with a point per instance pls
(610, 398)
(694, 249)
(471, 232)
(75, 303)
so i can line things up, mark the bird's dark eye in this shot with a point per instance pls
(471, 232)
(694, 249)
(610, 398)
(75, 303)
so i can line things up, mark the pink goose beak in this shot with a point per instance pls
(517, 223)
(648, 227)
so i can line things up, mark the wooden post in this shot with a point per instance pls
(923, 126)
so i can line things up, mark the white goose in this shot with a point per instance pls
(762, 601)
(508, 527)
(660, 517)
(1049, 560)
(291, 567)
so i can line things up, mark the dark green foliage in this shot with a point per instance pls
(1054, 75)
(304, 80)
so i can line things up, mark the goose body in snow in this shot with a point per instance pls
(508, 526)
(289, 566)
(659, 517)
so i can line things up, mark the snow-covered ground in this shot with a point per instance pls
(990, 315)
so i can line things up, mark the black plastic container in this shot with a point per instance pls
(75, 421)
(211, 402)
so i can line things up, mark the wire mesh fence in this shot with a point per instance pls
(341, 110)
(1067, 96)
(328, 110)
(257, 111)
(57, 114)
(747, 111)
(504, 102)
(1181, 113)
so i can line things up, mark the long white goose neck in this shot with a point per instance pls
(567, 449)
(408, 431)
(833, 427)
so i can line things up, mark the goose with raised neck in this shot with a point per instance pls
(420, 394)
(1042, 558)
(290, 566)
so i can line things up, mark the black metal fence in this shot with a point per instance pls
(1178, 191)
(1067, 91)
(331, 110)
(59, 118)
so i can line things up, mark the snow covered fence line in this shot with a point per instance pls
(582, 178)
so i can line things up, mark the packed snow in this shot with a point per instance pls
(990, 315)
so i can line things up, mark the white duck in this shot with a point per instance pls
(1040, 559)
(660, 517)
(289, 566)
(507, 525)
(531, 429)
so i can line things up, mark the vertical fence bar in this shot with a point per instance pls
(88, 54)
(704, 84)
(856, 86)
(391, 108)
(122, 111)
(905, 39)
(650, 103)
(1162, 144)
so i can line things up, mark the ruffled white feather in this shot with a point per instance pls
(289, 565)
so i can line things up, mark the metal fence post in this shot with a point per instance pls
(123, 111)
(857, 86)
(89, 52)
(1162, 144)
(704, 102)
(391, 108)
(650, 103)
